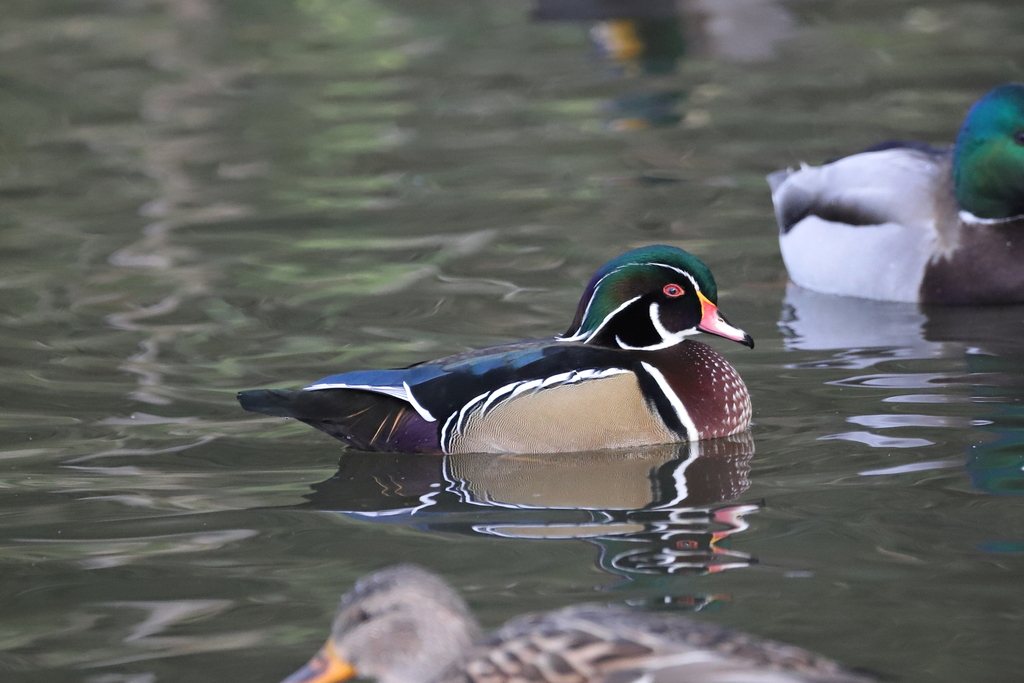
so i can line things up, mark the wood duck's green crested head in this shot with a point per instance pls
(988, 159)
(650, 298)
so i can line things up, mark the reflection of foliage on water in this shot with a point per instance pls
(356, 113)
(134, 102)
(998, 466)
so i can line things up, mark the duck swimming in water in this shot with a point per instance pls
(404, 624)
(625, 374)
(905, 221)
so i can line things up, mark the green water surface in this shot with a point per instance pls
(201, 196)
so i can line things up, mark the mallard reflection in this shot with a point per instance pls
(812, 321)
(650, 510)
(987, 340)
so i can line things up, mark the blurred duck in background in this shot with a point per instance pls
(905, 221)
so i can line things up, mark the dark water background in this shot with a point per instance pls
(203, 196)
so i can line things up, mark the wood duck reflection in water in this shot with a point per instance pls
(653, 511)
(404, 624)
(625, 374)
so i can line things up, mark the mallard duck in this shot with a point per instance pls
(905, 221)
(404, 624)
(624, 374)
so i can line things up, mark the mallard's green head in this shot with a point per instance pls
(650, 298)
(988, 159)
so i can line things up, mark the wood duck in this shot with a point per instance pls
(404, 624)
(905, 221)
(624, 374)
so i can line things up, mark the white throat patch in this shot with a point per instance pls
(667, 338)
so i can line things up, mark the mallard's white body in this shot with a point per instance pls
(867, 225)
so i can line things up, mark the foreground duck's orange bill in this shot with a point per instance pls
(325, 667)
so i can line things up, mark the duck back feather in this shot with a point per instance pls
(864, 225)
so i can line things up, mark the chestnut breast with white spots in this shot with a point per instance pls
(709, 388)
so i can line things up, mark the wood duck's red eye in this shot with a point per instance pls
(672, 290)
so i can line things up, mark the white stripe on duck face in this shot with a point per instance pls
(677, 405)
(667, 338)
(587, 336)
(581, 335)
(456, 422)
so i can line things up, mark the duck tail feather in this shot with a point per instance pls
(277, 402)
(365, 420)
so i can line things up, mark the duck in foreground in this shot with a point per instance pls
(404, 624)
(625, 374)
(904, 221)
